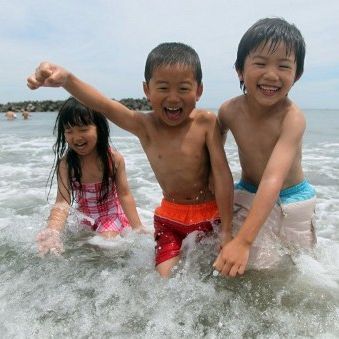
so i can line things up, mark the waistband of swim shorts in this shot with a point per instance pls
(188, 213)
(299, 192)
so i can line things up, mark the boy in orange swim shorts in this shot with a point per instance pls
(173, 222)
(183, 144)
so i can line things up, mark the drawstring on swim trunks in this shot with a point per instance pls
(282, 208)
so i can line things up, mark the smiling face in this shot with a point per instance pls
(81, 139)
(268, 75)
(173, 92)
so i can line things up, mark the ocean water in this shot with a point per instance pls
(91, 291)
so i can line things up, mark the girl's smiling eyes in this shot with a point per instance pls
(70, 130)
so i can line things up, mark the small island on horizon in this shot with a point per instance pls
(55, 105)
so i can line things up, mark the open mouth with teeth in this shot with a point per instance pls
(268, 90)
(173, 113)
(80, 146)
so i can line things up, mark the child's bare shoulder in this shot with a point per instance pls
(231, 109)
(293, 109)
(145, 115)
(63, 163)
(117, 157)
(294, 118)
(292, 112)
(204, 116)
(232, 105)
(63, 169)
(148, 119)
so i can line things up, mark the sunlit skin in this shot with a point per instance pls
(176, 137)
(183, 144)
(268, 130)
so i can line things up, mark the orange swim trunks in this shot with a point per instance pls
(173, 222)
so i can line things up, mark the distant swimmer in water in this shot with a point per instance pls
(10, 115)
(25, 115)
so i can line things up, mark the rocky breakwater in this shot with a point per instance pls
(52, 106)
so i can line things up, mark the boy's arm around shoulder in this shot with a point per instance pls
(222, 176)
(51, 75)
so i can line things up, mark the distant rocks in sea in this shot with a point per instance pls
(136, 104)
(54, 105)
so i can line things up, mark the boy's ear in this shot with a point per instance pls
(200, 89)
(146, 89)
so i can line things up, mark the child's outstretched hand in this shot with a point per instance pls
(47, 75)
(49, 240)
(233, 258)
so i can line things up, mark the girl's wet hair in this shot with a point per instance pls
(71, 114)
(272, 31)
(173, 53)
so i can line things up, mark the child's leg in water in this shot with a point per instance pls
(165, 268)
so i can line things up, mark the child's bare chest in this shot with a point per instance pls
(91, 173)
(177, 150)
(258, 135)
(183, 152)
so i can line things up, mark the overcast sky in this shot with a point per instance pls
(106, 43)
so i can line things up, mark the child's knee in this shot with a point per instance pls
(165, 268)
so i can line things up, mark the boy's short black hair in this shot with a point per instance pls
(272, 31)
(171, 53)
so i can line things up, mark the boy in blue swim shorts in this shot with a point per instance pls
(273, 202)
(290, 222)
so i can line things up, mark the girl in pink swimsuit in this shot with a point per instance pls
(90, 174)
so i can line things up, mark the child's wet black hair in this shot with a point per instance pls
(73, 113)
(272, 31)
(172, 53)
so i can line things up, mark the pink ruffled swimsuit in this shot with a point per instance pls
(108, 215)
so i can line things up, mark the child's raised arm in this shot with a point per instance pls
(51, 75)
